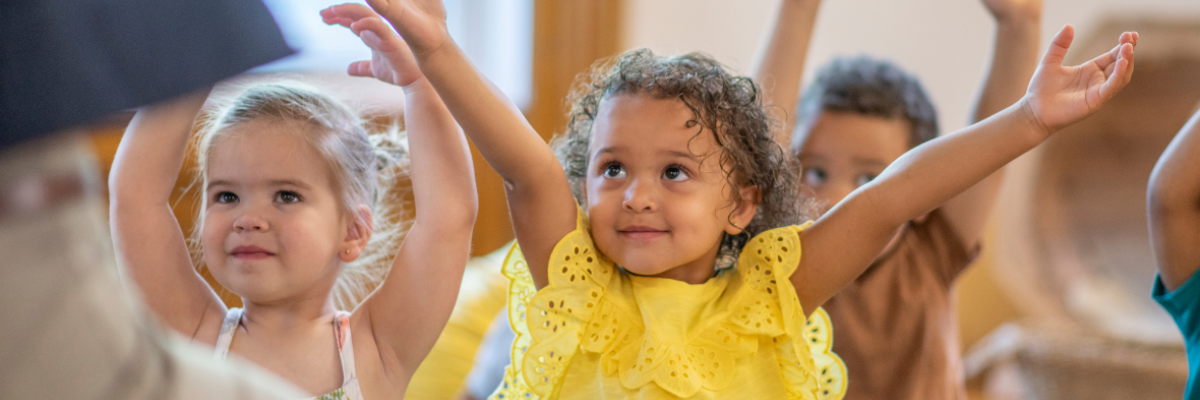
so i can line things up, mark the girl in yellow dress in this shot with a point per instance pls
(666, 174)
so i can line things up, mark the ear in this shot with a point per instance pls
(358, 234)
(749, 197)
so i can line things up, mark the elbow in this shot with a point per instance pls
(119, 192)
(1164, 200)
(458, 218)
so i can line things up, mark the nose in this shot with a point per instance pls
(250, 221)
(640, 197)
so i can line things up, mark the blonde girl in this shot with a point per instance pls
(291, 201)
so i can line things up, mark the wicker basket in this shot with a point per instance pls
(1058, 361)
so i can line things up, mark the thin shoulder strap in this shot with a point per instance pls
(345, 345)
(233, 317)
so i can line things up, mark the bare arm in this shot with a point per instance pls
(151, 249)
(1173, 203)
(779, 64)
(847, 238)
(1014, 57)
(540, 201)
(408, 311)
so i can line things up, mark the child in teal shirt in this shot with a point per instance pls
(1173, 204)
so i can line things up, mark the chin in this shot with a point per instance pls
(644, 266)
(258, 294)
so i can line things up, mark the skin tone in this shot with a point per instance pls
(1173, 205)
(276, 234)
(655, 184)
(839, 246)
(779, 63)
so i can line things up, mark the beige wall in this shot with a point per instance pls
(944, 42)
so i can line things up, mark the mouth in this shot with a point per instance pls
(638, 232)
(250, 253)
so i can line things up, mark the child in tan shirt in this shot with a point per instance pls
(896, 329)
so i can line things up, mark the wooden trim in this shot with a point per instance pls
(568, 37)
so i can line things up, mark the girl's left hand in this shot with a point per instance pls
(391, 59)
(1059, 96)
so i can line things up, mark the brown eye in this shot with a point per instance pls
(863, 179)
(613, 171)
(675, 174)
(225, 197)
(287, 197)
(815, 176)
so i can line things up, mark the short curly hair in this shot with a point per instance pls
(723, 103)
(868, 86)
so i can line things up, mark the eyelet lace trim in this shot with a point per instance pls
(573, 314)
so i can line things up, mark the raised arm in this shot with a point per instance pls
(539, 198)
(150, 246)
(1173, 205)
(408, 311)
(1014, 57)
(847, 238)
(779, 63)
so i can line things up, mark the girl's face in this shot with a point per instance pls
(657, 199)
(273, 226)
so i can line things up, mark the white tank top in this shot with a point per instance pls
(341, 333)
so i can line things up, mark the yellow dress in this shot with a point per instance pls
(597, 332)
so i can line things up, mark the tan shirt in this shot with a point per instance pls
(894, 326)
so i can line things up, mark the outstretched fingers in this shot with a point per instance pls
(360, 68)
(1059, 46)
(346, 14)
(1122, 72)
(1107, 61)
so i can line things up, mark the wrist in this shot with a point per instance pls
(1028, 117)
(807, 4)
(416, 86)
(432, 46)
(1018, 21)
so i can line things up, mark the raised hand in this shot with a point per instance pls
(1059, 96)
(1013, 10)
(391, 59)
(422, 23)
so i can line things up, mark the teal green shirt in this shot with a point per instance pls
(1184, 306)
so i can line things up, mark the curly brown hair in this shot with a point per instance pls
(727, 105)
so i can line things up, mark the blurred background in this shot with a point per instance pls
(1058, 304)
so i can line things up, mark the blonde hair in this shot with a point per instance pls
(365, 168)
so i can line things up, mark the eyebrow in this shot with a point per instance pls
(870, 162)
(675, 153)
(812, 157)
(273, 182)
(681, 154)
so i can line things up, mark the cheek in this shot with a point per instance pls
(308, 234)
(818, 193)
(701, 211)
(601, 200)
(213, 231)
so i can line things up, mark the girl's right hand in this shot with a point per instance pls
(422, 23)
(391, 59)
